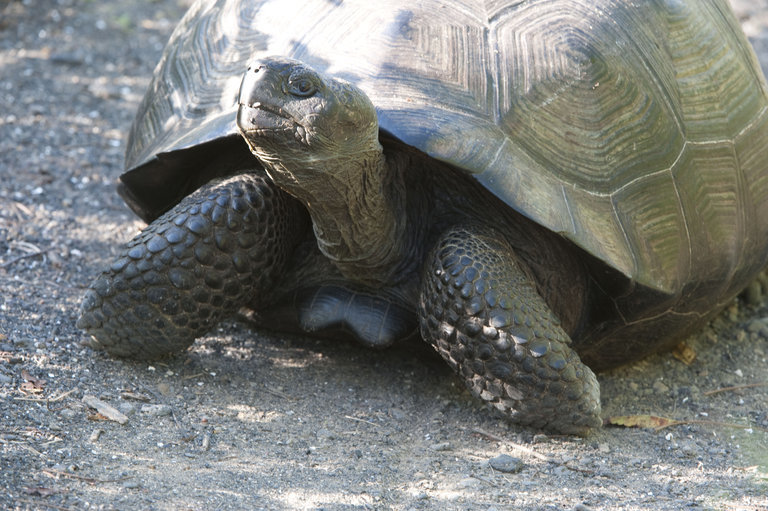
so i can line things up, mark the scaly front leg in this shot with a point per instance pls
(220, 248)
(480, 310)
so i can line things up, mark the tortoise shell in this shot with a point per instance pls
(636, 130)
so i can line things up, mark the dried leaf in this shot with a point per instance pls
(641, 421)
(36, 382)
(684, 353)
(31, 384)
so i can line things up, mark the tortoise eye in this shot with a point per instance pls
(302, 87)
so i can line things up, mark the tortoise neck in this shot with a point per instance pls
(357, 205)
(361, 224)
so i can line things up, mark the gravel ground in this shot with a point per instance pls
(249, 421)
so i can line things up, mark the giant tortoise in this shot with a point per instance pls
(538, 188)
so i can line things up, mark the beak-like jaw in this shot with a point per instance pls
(262, 119)
(260, 110)
(276, 106)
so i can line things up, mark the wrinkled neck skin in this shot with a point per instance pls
(357, 205)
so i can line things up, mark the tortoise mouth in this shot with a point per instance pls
(268, 121)
(262, 116)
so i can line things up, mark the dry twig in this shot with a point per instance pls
(735, 387)
(91, 480)
(45, 399)
(16, 259)
(360, 420)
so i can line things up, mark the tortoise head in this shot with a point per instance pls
(295, 119)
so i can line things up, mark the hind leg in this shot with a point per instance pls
(220, 248)
(480, 310)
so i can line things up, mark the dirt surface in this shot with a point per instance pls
(249, 421)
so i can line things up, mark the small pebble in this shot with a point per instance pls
(68, 413)
(67, 59)
(156, 410)
(127, 408)
(397, 414)
(506, 463)
(95, 435)
(206, 444)
(468, 484)
(755, 325)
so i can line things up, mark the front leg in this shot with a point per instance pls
(480, 310)
(220, 248)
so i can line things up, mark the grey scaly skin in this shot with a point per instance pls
(221, 247)
(481, 311)
(383, 223)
